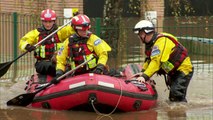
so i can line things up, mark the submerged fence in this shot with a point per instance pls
(195, 33)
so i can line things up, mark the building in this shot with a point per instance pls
(35, 6)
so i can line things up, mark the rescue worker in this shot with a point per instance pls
(44, 53)
(80, 47)
(165, 55)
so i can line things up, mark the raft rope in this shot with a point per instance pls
(100, 117)
(103, 114)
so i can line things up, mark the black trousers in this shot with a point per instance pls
(45, 68)
(178, 85)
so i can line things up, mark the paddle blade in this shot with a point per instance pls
(4, 68)
(22, 100)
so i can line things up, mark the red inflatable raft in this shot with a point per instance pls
(94, 92)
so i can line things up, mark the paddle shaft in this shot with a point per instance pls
(5, 66)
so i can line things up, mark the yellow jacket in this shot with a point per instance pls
(100, 49)
(32, 37)
(163, 47)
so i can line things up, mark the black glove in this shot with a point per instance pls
(30, 48)
(58, 74)
(99, 69)
(76, 13)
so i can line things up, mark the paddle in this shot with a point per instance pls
(5, 66)
(26, 99)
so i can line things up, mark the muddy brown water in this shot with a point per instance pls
(199, 106)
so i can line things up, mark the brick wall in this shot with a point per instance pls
(36, 6)
(157, 5)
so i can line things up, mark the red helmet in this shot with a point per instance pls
(81, 22)
(48, 15)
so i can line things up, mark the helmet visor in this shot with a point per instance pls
(83, 26)
(145, 29)
(136, 30)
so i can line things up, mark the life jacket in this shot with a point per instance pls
(47, 48)
(79, 53)
(175, 58)
(148, 46)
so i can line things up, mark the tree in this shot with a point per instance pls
(113, 12)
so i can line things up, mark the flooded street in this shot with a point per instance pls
(199, 106)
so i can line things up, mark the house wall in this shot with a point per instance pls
(36, 6)
(157, 5)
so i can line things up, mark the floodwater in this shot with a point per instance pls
(199, 106)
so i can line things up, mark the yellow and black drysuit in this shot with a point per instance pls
(165, 55)
(77, 50)
(46, 50)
